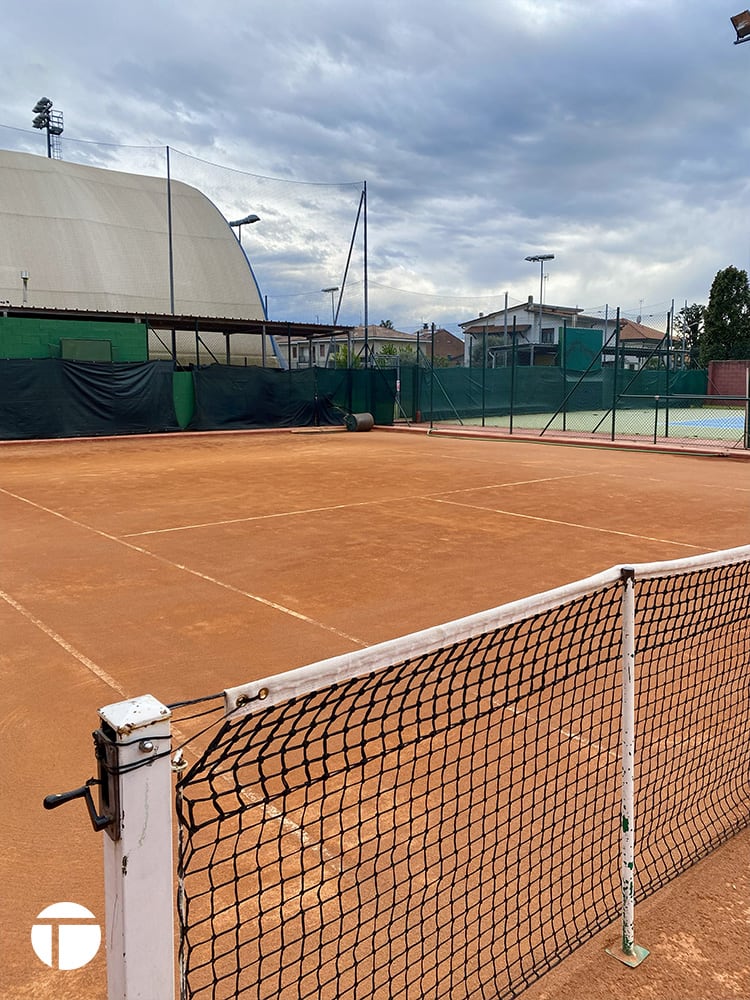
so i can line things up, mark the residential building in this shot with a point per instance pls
(385, 346)
(537, 337)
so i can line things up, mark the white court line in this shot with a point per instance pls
(284, 821)
(187, 569)
(96, 670)
(571, 524)
(275, 814)
(346, 506)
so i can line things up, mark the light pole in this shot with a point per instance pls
(333, 291)
(247, 221)
(540, 258)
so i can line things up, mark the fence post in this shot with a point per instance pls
(512, 375)
(629, 952)
(614, 373)
(138, 877)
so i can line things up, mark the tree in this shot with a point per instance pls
(688, 327)
(341, 358)
(406, 354)
(493, 340)
(726, 330)
(387, 324)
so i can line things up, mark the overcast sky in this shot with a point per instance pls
(614, 135)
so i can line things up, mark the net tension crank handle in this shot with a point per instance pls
(98, 822)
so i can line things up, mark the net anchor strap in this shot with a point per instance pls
(628, 951)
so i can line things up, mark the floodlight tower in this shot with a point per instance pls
(52, 122)
(540, 259)
(741, 24)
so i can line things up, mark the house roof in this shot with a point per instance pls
(630, 330)
(529, 306)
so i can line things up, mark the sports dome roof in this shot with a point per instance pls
(98, 239)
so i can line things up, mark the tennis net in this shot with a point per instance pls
(441, 816)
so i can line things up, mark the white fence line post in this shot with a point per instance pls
(138, 876)
(629, 952)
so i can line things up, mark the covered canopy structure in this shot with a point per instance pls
(85, 238)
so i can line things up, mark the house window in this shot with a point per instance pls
(548, 335)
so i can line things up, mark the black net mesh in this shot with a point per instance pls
(449, 826)
(446, 827)
(692, 717)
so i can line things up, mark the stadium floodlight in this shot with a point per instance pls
(741, 24)
(51, 121)
(333, 291)
(540, 259)
(247, 221)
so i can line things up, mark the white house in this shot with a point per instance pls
(537, 335)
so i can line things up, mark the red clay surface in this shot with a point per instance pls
(180, 566)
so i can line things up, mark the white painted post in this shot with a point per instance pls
(138, 876)
(629, 952)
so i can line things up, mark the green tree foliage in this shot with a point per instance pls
(341, 358)
(493, 340)
(389, 353)
(688, 327)
(726, 331)
(387, 324)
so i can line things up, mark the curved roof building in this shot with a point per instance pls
(95, 239)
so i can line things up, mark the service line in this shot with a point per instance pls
(187, 569)
(570, 524)
(357, 503)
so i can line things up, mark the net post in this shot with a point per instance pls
(628, 951)
(138, 875)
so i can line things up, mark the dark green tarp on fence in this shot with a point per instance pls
(229, 397)
(50, 398)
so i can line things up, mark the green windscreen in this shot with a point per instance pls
(582, 347)
(86, 350)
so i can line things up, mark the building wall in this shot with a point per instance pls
(42, 338)
(728, 378)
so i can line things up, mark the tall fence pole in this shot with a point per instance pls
(484, 374)
(138, 875)
(170, 245)
(432, 375)
(564, 366)
(512, 375)
(629, 952)
(614, 375)
(669, 370)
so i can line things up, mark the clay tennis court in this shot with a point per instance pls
(180, 566)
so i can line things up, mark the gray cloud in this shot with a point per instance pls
(612, 134)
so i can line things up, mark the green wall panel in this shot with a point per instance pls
(41, 338)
